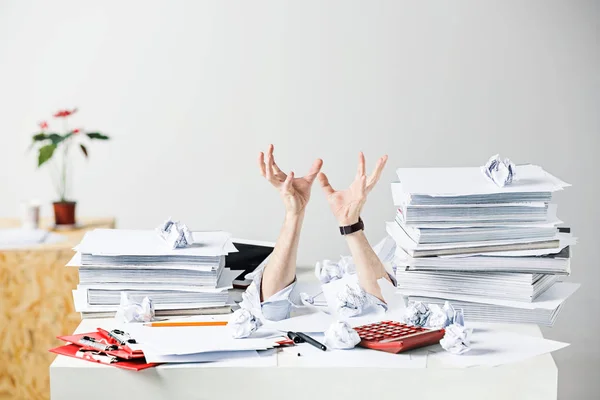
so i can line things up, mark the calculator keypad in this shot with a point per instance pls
(394, 337)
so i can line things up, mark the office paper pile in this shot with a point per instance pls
(495, 252)
(182, 281)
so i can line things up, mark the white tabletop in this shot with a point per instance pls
(289, 377)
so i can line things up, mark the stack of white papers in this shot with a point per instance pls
(178, 281)
(555, 263)
(497, 285)
(460, 237)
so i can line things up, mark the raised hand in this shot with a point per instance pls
(295, 192)
(347, 204)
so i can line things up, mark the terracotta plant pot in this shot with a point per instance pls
(64, 212)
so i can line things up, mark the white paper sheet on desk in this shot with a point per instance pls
(358, 357)
(115, 242)
(491, 348)
(263, 358)
(214, 357)
(549, 300)
(193, 340)
(311, 322)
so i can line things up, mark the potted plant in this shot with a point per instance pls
(51, 143)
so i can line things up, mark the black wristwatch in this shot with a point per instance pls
(359, 226)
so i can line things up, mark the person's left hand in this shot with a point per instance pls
(295, 192)
(347, 204)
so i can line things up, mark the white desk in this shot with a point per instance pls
(535, 378)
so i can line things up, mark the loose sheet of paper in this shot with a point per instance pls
(470, 181)
(311, 322)
(114, 242)
(357, 357)
(192, 340)
(491, 348)
(250, 358)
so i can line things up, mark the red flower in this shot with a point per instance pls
(65, 113)
(76, 131)
(43, 125)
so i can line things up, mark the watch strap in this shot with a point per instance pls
(359, 226)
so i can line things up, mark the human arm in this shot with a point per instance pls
(280, 270)
(346, 206)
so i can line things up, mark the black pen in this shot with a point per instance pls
(311, 341)
(294, 337)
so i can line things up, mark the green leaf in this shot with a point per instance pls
(97, 135)
(55, 138)
(46, 153)
(84, 150)
(39, 136)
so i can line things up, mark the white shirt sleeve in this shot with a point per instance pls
(276, 307)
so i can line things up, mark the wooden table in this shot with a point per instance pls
(36, 305)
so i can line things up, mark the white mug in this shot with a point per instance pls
(30, 215)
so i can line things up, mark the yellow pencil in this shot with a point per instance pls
(183, 323)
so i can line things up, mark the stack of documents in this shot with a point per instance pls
(541, 311)
(462, 238)
(183, 281)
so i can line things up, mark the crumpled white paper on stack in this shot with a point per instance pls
(175, 234)
(131, 311)
(501, 172)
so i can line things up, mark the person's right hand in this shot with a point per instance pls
(295, 192)
(347, 204)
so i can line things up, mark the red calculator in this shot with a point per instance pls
(395, 337)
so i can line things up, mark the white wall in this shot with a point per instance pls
(191, 91)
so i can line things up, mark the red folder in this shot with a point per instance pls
(135, 364)
(122, 352)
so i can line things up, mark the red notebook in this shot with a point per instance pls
(73, 350)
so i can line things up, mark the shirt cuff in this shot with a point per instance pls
(275, 308)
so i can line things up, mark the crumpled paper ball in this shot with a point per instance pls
(307, 299)
(351, 301)
(175, 234)
(459, 318)
(501, 172)
(131, 311)
(416, 314)
(243, 323)
(347, 265)
(341, 336)
(457, 339)
(327, 271)
(440, 317)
